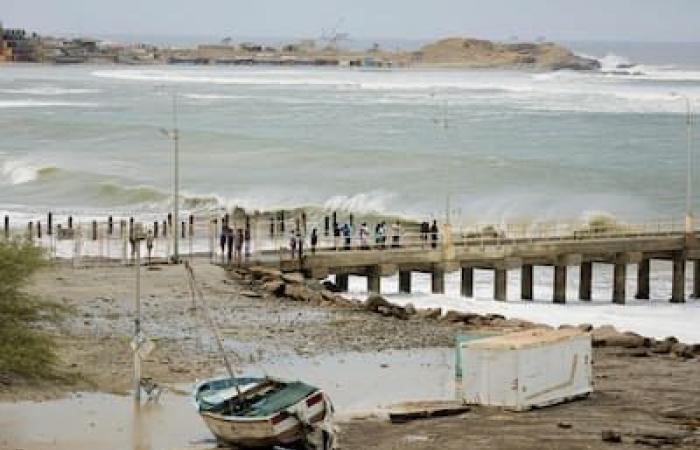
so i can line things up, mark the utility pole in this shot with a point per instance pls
(174, 134)
(137, 321)
(689, 217)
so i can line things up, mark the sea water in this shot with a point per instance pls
(503, 145)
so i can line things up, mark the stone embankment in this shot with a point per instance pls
(325, 294)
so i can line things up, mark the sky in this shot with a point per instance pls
(565, 20)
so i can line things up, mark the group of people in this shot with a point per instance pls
(429, 232)
(232, 243)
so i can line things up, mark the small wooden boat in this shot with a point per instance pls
(262, 412)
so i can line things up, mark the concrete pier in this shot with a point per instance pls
(500, 284)
(437, 281)
(619, 282)
(342, 281)
(374, 281)
(559, 284)
(467, 282)
(643, 271)
(678, 278)
(585, 282)
(405, 281)
(526, 281)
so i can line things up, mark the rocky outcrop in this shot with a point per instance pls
(476, 53)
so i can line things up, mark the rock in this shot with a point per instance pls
(301, 293)
(686, 414)
(374, 301)
(608, 336)
(410, 309)
(494, 317)
(659, 440)
(695, 348)
(293, 278)
(661, 348)
(671, 339)
(564, 425)
(611, 436)
(682, 351)
(260, 272)
(430, 313)
(251, 294)
(274, 287)
(585, 327)
(454, 316)
(566, 327)
(329, 285)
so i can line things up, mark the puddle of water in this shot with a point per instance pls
(356, 382)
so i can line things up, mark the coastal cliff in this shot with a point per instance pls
(476, 53)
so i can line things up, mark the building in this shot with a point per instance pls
(19, 46)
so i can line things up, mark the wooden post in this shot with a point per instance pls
(500, 285)
(165, 228)
(191, 225)
(585, 283)
(619, 282)
(182, 234)
(678, 283)
(696, 278)
(405, 281)
(70, 222)
(326, 226)
(30, 230)
(526, 281)
(94, 230)
(49, 224)
(643, 270)
(467, 282)
(38, 229)
(7, 227)
(155, 229)
(559, 284)
(110, 225)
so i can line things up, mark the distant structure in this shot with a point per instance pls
(19, 46)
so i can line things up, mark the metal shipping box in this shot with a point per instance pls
(526, 369)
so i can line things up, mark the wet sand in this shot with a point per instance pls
(365, 361)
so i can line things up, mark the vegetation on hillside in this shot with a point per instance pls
(25, 350)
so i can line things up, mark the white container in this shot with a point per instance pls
(527, 369)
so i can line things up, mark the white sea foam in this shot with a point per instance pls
(18, 172)
(365, 202)
(49, 91)
(30, 103)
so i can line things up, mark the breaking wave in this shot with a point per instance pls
(19, 172)
(29, 103)
(49, 91)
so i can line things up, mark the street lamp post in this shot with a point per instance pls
(689, 219)
(175, 136)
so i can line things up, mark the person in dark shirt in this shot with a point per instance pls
(434, 234)
(314, 240)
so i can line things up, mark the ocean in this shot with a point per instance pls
(503, 146)
(518, 146)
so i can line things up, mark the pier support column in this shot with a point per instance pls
(342, 281)
(678, 284)
(374, 282)
(559, 284)
(643, 269)
(526, 275)
(405, 281)
(619, 281)
(696, 278)
(585, 281)
(438, 281)
(467, 282)
(500, 283)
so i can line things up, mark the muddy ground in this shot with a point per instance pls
(652, 401)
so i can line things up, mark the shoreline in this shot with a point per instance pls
(302, 328)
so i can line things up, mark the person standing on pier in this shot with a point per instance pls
(239, 246)
(314, 240)
(434, 234)
(222, 243)
(336, 236)
(395, 234)
(229, 244)
(149, 245)
(424, 230)
(347, 236)
(292, 243)
(364, 236)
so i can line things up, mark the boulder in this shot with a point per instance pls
(329, 285)
(611, 436)
(301, 293)
(374, 301)
(260, 272)
(274, 287)
(662, 348)
(430, 313)
(293, 277)
(585, 327)
(682, 351)
(410, 309)
(608, 336)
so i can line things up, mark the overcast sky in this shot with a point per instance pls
(627, 20)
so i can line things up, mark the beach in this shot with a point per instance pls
(336, 344)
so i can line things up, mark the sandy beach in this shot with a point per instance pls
(366, 361)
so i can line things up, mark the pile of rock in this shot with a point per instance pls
(295, 286)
